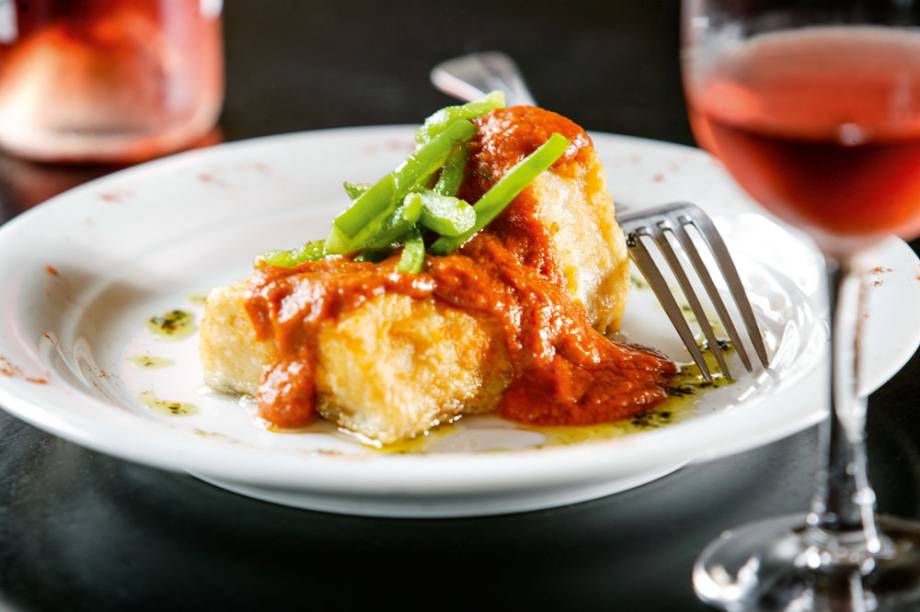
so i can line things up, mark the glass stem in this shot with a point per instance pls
(845, 502)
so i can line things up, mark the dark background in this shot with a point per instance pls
(81, 531)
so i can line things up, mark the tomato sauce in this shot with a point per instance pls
(505, 137)
(564, 371)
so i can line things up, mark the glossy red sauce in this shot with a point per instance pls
(505, 137)
(564, 372)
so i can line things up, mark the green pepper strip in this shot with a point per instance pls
(428, 159)
(389, 191)
(311, 251)
(413, 254)
(388, 227)
(443, 214)
(494, 201)
(355, 190)
(442, 119)
(371, 203)
(337, 242)
(453, 172)
(373, 255)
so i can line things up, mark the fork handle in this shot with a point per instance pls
(472, 76)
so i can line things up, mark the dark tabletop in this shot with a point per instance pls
(82, 531)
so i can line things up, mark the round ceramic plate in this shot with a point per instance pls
(82, 274)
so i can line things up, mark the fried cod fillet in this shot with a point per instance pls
(389, 370)
(397, 366)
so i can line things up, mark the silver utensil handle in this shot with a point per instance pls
(472, 76)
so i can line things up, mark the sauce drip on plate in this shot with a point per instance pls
(563, 371)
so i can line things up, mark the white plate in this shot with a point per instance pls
(141, 241)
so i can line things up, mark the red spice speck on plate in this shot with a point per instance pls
(209, 178)
(11, 370)
(110, 197)
(7, 368)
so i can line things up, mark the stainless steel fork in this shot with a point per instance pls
(472, 76)
(673, 220)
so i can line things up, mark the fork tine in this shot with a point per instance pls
(656, 281)
(657, 231)
(724, 260)
(714, 296)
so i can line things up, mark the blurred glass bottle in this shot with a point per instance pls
(108, 80)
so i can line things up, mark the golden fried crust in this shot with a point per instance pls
(587, 243)
(397, 367)
(231, 356)
(389, 370)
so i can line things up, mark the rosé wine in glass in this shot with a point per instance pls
(822, 127)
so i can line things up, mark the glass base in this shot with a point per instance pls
(786, 564)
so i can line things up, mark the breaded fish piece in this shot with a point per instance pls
(396, 366)
(587, 243)
(389, 370)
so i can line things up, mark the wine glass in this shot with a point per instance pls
(813, 106)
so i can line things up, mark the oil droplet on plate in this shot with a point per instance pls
(149, 399)
(172, 325)
(150, 361)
